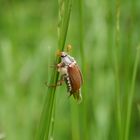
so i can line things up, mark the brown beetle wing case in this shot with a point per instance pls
(75, 78)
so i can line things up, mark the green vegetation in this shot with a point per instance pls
(47, 116)
(105, 39)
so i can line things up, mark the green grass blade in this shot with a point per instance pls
(117, 83)
(84, 125)
(78, 122)
(130, 97)
(64, 15)
(46, 116)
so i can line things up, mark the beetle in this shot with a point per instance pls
(71, 75)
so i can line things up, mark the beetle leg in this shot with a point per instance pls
(59, 83)
(53, 66)
(57, 65)
(60, 65)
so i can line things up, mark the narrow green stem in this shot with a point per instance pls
(51, 135)
(64, 21)
(75, 122)
(84, 105)
(75, 114)
(81, 28)
(130, 98)
(118, 94)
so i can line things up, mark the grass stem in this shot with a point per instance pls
(118, 94)
(130, 97)
(46, 116)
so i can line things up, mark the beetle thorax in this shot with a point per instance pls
(67, 60)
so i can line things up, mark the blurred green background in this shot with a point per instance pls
(28, 44)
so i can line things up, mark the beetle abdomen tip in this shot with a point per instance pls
(77, 96)
(79, 100)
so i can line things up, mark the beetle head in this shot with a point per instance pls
(61, 54)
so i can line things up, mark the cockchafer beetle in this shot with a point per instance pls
(70, 74)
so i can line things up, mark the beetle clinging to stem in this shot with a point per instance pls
(70, 74)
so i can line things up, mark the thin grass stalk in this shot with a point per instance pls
(84, 104)
(117, 84)
(81, 30)
(75, 110)
(64, 13)
(130, 97)
(75, 122)
(83, 60)
(46, 115)
(51, 135)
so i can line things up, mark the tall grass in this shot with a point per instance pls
(79, 112)
(123, 120)
(49, 107)
(130, 96)
(28, 44)
(117, 69)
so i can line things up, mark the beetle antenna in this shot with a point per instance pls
(69, 48)
(53, 66)
(58, 53)
(53, 85)
(59, 83)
